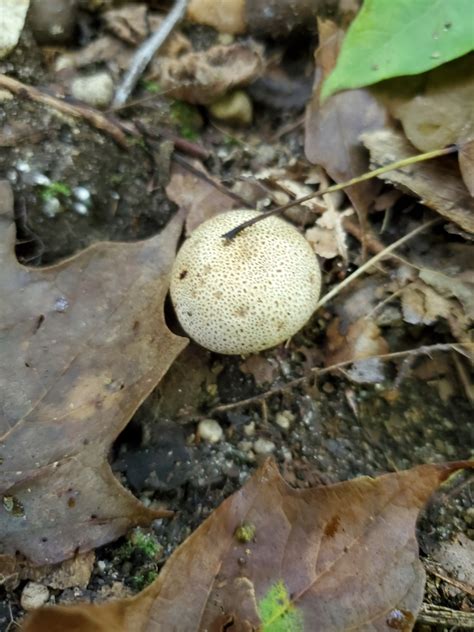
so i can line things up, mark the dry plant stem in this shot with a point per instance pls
(469, 590)
(145, 52)
(77, 110)
(368, 264)
(317, 371)
(338, 187)
(450, 619)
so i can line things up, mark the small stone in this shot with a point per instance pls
(13, 14)
(209, 430)
(249, 429)
(53, 21)
(82, 194)
(263, 446)
(80, 208)
(96, 90)
(52, 207)
(5, 95)
(284, 419)
(234, 108)
(34, 596)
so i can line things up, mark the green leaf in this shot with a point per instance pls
(277, 612)
(390, 38)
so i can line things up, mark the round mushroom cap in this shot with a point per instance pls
(247, 294)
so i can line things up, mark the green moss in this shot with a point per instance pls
(187, 119)
(153, 87)
(245, 532)
(55, 189)
(142, 543)
(142, 580)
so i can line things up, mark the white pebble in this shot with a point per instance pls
(263, 446)
(249, 429)
(82, 194)
(80, 208)
(209, 430)
(52, 207)
(284, 419)
(34, 596)
(96, 90)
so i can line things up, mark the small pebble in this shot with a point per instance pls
(40, 179)
(52, 207)
(249, 429)
(209, 430)
(284, 419)
(80, 208)
(34, 596)
(82, 194)
(96, 90)
(233, 108)
(263, 446)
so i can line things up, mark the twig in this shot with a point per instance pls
(342, 185)
(317, 371)
(368, 264)
(451, 619)
(145, 52)
(77, 110)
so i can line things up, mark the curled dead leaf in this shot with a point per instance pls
(437, 183)
(202, 77)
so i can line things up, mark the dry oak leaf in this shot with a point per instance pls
(196, 196)
(437, 183)
(83, 344)
(340, 557)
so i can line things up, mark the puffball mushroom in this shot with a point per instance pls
(247, 294)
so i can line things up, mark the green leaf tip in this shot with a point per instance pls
(392, 38)
(277, 612)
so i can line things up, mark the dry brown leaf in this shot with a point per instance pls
(262, 370)
(203, 76)
(362, 339)
(345, 556)
(441, 111)
(466, 164)
(422, 305)
(328, 236)
(443, 287)
(437, 183)
(197, 196)
(333, 129)
(83, 343)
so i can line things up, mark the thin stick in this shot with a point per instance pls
(337, 187)
(375, 259)
(77, 110)
(145, 52)
(317, 371)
